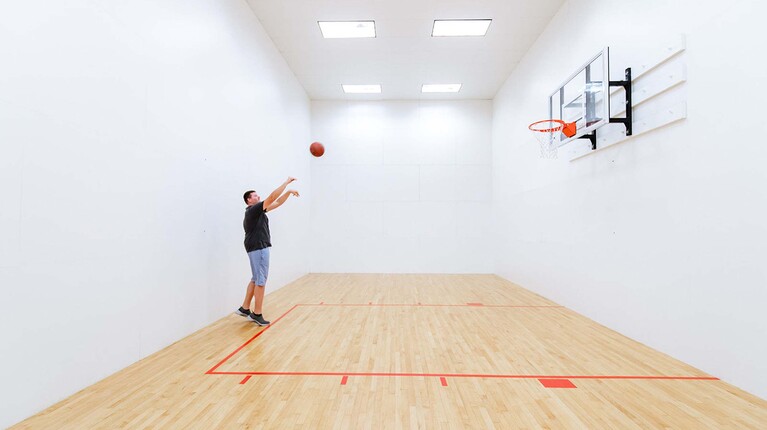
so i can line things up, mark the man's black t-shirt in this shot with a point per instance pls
(256, 226)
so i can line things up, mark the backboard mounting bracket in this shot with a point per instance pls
(592, 137)
(627, 120)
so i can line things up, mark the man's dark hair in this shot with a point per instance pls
(246, 196)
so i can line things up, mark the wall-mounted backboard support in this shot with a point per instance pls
(584, 99)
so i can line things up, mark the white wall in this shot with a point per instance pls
(403, 187)
(128, 133)
(661, 237)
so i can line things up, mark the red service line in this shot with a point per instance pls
(557, 383)
(474, 375)
(367, 305)
(213, 369)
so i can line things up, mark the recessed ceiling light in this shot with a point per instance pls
(362, 89)
(344, 29)
(440, 88)
(460, 27)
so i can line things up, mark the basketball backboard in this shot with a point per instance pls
(583, 98)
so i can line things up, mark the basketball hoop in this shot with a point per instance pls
(547, 132)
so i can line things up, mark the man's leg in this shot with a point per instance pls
(259, 294)
(261, 272)
(254, 257)
(249, 296)
(255, 315)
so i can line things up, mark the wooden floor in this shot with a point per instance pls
(407, 351)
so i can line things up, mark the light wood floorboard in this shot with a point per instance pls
(489, 339)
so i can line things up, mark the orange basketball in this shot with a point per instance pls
(317, 149)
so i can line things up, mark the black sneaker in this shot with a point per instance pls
(258, 319)
(242, 312)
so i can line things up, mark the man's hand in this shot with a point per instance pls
(277, 203)
(276, 193)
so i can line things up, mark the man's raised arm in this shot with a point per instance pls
(276, 193)
(277, 203)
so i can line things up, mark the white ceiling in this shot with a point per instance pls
(403, 56)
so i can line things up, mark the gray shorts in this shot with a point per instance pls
(259, 265)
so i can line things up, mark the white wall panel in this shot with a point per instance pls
(365, 219)
(400, 183)
(473, 183)
(439, 183)
(401, 130)
(660, 236)
(366, 183)
(128, 133)
(477, 129)
(330, 187)
(401, 210)
(473, 220)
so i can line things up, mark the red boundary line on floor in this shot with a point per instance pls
(416, 305)
(474, 375)
(346, 375)
(557, 383)
(213, 369)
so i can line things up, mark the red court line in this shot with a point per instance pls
(213, 369)
(437, 305)
(443, 381)
(244, 380)
(557, 383)
(344, 379)
(476, 375)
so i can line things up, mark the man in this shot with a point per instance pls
(257, 243)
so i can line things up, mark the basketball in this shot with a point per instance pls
(317, 149)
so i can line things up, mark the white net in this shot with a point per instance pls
(547, 133)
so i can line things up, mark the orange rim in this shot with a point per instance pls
(561, 123)
(568, 128)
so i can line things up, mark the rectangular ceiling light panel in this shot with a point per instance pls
(460, 27)
(440, 88)
(347, 29)
(362, 89)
